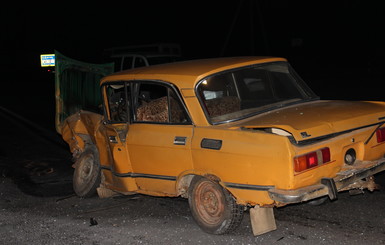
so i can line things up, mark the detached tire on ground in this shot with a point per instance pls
(212, 207)
(86, 176)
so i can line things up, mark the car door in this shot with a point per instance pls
(119, 172)
(159, 138)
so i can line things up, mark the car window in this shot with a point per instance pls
(244, 92)
(118, 105)
(158, 103)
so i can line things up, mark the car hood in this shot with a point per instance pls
(320, 118)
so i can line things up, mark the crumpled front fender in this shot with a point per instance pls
(79, 129)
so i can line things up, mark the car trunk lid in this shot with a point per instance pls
(321, 118)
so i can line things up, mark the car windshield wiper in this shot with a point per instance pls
(295, 101)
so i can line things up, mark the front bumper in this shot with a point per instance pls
(349, 178)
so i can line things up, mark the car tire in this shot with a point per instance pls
(213, 208)
(87, 177)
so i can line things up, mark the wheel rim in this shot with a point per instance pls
(209, 203)
(86, 169)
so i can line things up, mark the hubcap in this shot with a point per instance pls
(209, 202)
(86, 168)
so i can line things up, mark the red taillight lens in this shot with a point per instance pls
(380, 135)
(311, 159)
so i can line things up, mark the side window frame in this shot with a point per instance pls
(108, 117)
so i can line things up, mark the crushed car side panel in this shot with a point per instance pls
(81, 129)
(87, 128)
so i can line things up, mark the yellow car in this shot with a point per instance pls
(229, 134)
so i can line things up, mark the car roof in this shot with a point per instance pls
(185, 74)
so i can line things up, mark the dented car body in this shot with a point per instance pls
(228, 134)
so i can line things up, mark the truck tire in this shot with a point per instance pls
(87, 176)
(213, 208)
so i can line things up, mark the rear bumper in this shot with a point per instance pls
(350, 178)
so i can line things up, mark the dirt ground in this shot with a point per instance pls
(37, 206)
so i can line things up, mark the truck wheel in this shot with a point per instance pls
(86, 176)
(213, 208)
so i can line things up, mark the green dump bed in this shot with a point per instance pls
(77, 87)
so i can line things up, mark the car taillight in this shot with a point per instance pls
(311, 159)
(380, 135)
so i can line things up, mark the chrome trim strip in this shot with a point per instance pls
(328, 136)
(139, 175)
(249, 187)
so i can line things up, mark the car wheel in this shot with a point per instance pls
(213, 208)
(86, 176)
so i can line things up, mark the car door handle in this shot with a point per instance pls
(112, 139)
(180, 140)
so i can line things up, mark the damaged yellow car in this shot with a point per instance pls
(229, 134)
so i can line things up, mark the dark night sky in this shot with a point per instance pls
(274, 27)
(329, 43)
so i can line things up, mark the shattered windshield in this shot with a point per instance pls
(244, 92)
